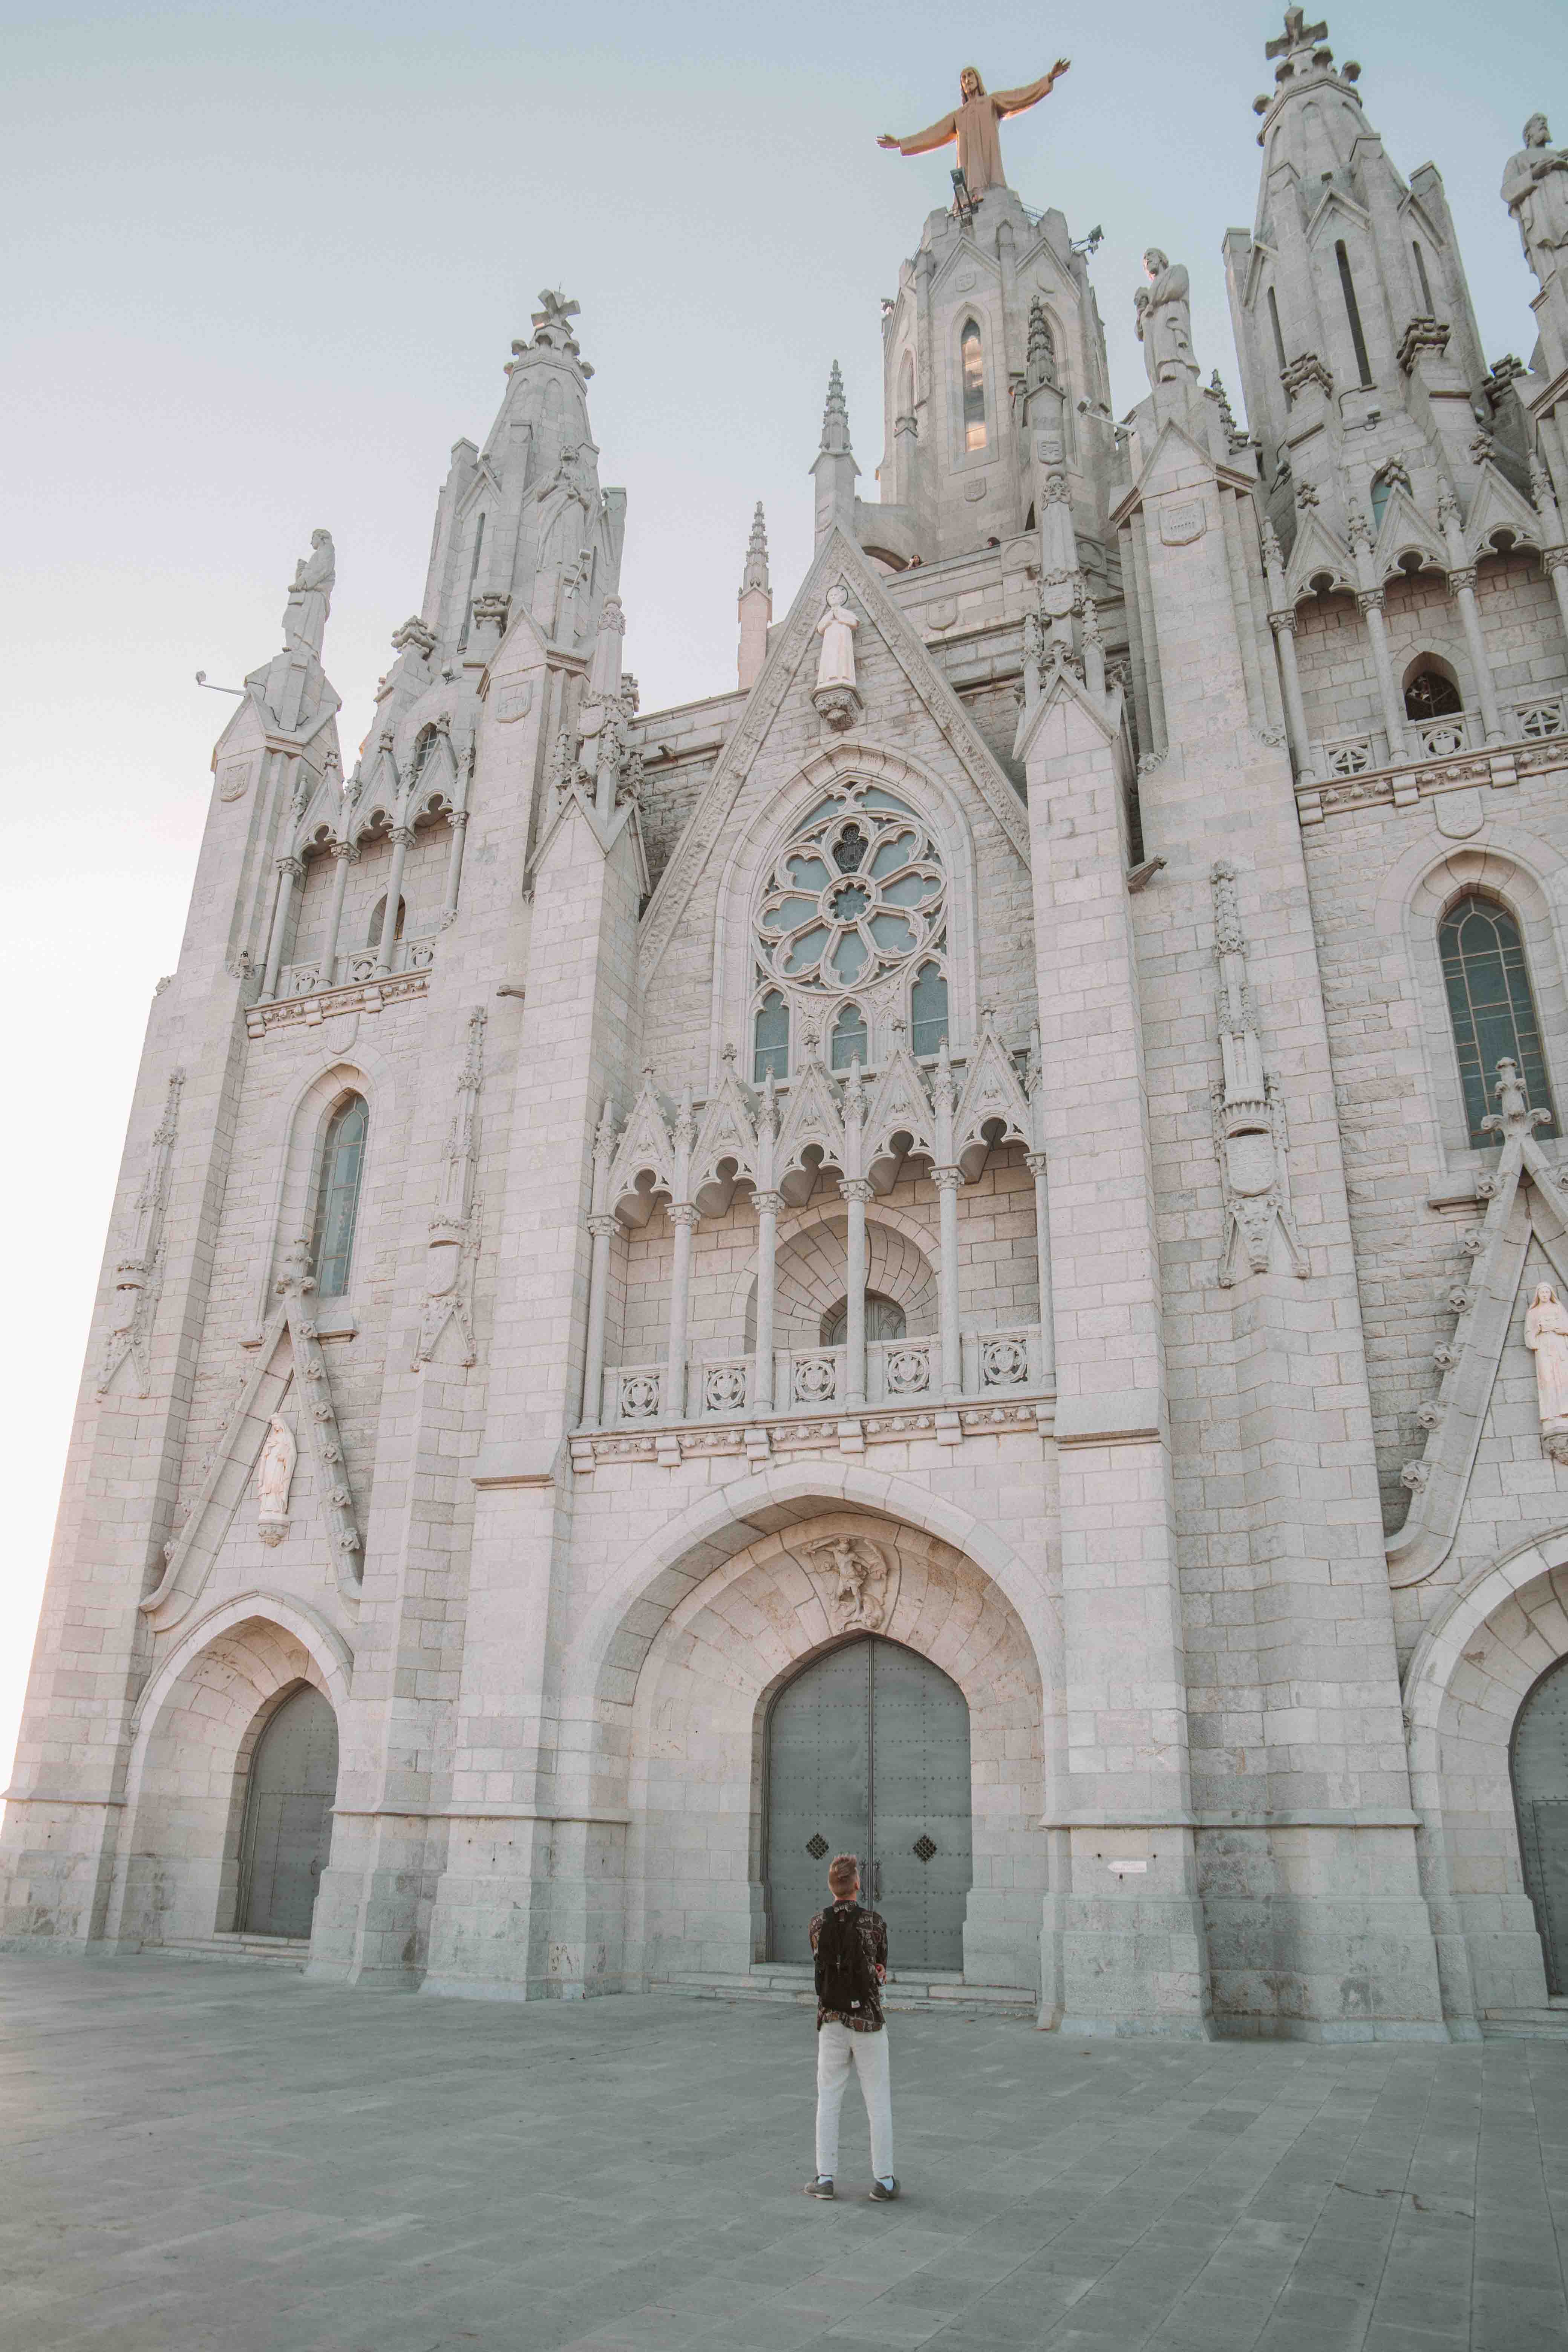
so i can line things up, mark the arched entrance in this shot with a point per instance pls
(288, 1816)
(1539, 1767)
(868, 1753)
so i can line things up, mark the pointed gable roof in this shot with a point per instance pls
(838, 557)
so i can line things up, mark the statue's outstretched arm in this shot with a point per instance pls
(1013, 101)
(921, 142)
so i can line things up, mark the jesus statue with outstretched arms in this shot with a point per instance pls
(973, 123)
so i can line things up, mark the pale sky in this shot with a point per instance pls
(263, 266)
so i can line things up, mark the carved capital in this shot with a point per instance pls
(1461, 577)
(349, 849)
(683, 1212)
(947, 1179)
(294, 867)
(404, 834)
(856, 1188)
(604, 1228)
(768, 1204)
(1555, 558)
(1282, 624)
(1369, 600)
(1035, 1161)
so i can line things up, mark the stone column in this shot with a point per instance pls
(458, 821)
(603, 1230)
(402, 835)
(857, 1191)
(1555, 563)
(683, 1217)
(768, 1206)
(947, 1181)
(1554, 554)
(290, 870)
(1462, 584)
(1369, 603)
(1283, 624)
(344, 855)
(1035, 1163)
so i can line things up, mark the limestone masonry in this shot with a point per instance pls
(955, 1249)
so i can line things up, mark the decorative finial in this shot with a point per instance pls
(1039, 365)
(756, 572)
(835, 416)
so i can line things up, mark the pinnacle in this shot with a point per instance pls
(756, 572)
(836, 415)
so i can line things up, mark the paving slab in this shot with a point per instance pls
(209, 2154)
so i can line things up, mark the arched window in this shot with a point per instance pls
(1352, 312)
(973, 362)
(928, 1009)
(884, 1320)
(337, 1196)
(1279, 337)
(424, 744)
(1430, 695)
(1491, 1007)
(848, 1037)
(378, 921)
(772, 1052)
(1381, 491)
(1426, 302)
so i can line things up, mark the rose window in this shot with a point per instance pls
(858, 890)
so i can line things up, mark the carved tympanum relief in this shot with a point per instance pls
(859, 1576)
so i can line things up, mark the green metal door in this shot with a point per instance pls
(1540, 1793)
(288, 1816)
(869, 1753)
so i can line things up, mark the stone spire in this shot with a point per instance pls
(1353, 316)
(756, 602)
(834, 470)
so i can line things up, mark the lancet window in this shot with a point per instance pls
(928, 1009)
(1491, 1007)
(849, 1039)
(770, 1056)
(1352, 313)
(378, 921)
(338, 1184)
(971, 358)
(884, 1320)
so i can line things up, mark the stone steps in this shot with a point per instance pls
(929, 1991)
(1548, 2024)
(270, 1951)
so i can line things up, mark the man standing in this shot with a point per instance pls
(851, 1949)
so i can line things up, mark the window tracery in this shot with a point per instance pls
(973, 362)
(338, 1195)
(1492, 1008)
(856, 897)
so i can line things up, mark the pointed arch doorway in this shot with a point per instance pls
(1540, 1762)
(287, 1831)
(868, 1753)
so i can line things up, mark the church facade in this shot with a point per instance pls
(954, 1250)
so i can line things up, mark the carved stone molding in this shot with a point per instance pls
(138, 1275)
(457, 1224)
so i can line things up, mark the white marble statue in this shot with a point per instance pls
(1164, 321)
(1535, 190)
(836, 629)
(310, 596)
(1546, 1336)
(274, 1477)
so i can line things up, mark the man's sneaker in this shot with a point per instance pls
(818, 2187)
(883, 2191)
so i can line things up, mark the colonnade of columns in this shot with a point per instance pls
(857, 1193)
(291, 873)
(1369, 595)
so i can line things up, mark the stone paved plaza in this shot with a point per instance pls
(204, 2155)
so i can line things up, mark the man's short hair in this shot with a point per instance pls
(844, 1873)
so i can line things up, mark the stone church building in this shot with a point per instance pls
(954, 1250)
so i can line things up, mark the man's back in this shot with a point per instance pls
(873, 1933)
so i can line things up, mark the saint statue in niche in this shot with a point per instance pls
(1546, 1336)
(274, 1476)
(836, 629)
(310, 596)
(973, 123)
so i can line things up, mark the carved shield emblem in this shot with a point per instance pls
(233, 779)
(515, 701)
(1250, 1162)
(1180, 524)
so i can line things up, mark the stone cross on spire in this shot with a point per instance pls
(553, 328)
(1298, 35)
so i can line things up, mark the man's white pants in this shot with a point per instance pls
(837, 2049)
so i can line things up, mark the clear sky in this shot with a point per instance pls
(265, 263)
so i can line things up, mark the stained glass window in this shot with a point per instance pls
(1492, 1008)
(928, 1009)
(849, 1038)
(772, 1052)
(337, 1196)
(974, 387)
